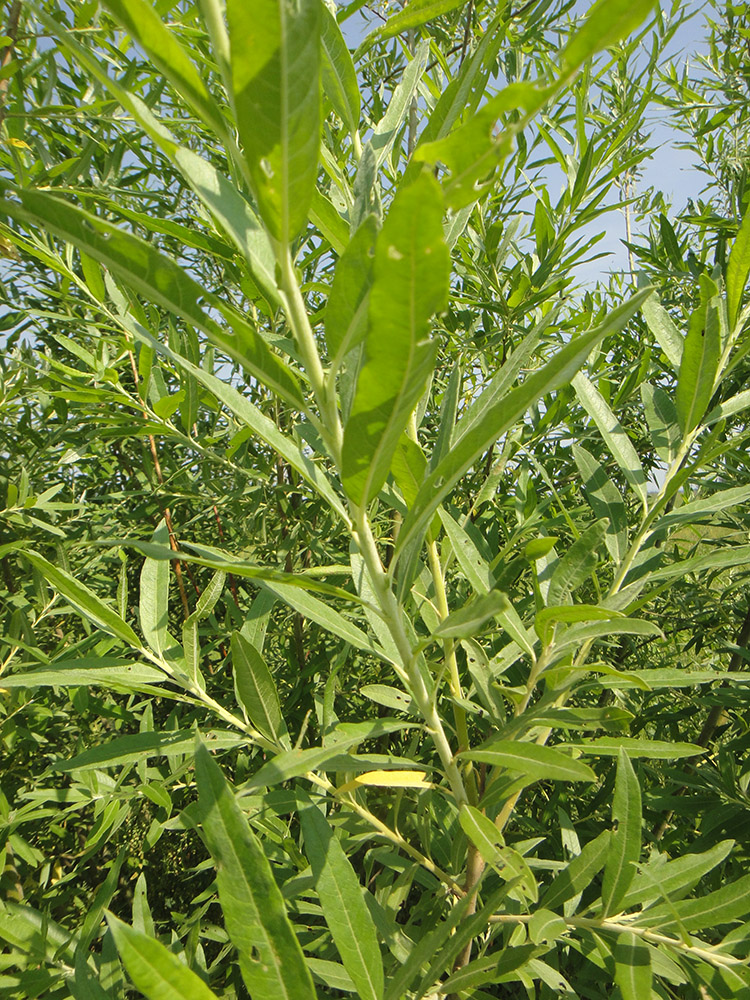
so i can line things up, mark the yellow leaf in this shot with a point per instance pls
(18, 143)
(388, 779)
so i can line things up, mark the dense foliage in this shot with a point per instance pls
(373, 606)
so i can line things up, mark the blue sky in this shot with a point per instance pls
(670, 169)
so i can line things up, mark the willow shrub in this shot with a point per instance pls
(477, 830)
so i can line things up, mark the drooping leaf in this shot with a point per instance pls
(271, 959)
(410, 284)
(466, 621)
(275, 68)
(344, 908)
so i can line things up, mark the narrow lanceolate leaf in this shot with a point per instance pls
(666, 334)
(606, 23)
(249, 414)
(257, 692)
(605, 500)
(411, 272)
(502, 414)
(738, 269)
(271, 960)
(348, 302)
(662, 420)
(142, 22)
(155, 970)
(532, 760)
(466, 621)
(475, 567)
(83, 600)
(700, 359)
(579, 873)
(625, 846)
(706, 912)
(343, 901)
(219, 196)
(154, 596)
(577, 564)
(415, 13)
(338, 73)
(158, 278)
(632, 967)
(613, 433)
(275, 68)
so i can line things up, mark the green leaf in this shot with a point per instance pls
(271, 960)
(275, 69)
(578, 563)
(473, 152)
(159, 278)
(156, 971)
(241, 407)
(502, 414)
(256, 690)
(414, 14)
(411, 269)
(706, 912)
(570, 613)
(605, 500)
(475, 568)
(343, 901)
(632, 967)
(348, 301)
(144, 25)
(487, 970)
(531, 759)
(106, 672)
(579, 873)
(700, 360)
(738, 269)
(625, 846)
(83, 600)
(154, 596)
(613, 433)
(465, 622)
(387, 130)
(736, 404)
(695, 511)
(325, 616)
(666, 334)
(663, 422)
(652, 749)
(606, 23)
(338, 73)
(144, 746)
(670, 879)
